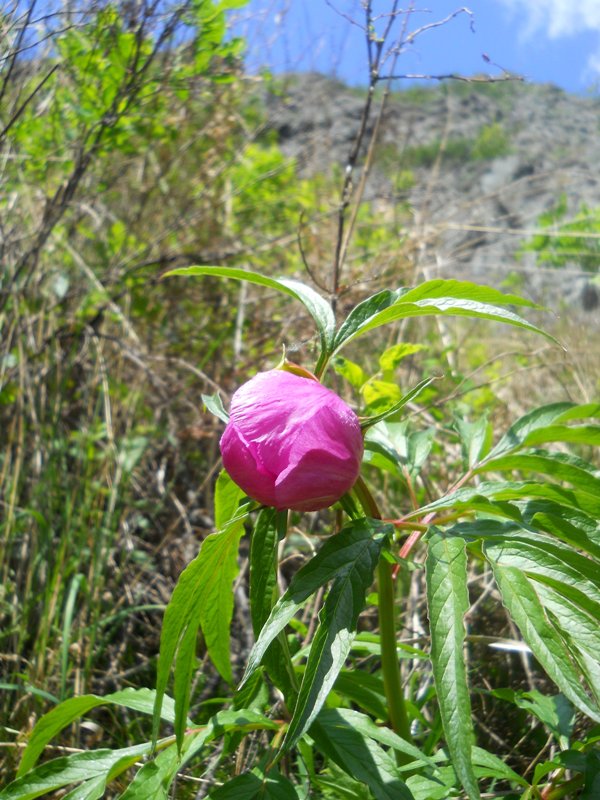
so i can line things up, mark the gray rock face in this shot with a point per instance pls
(487, 160)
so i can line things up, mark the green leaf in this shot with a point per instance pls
(549, 561)
(214, 404)
(228, 497)
(464, 290)
(448, 602)
(365, 690)
(438, 297)
(201, 598)
(524, 606)
(59, 772)
(318, 308)
(242, 787)
(359, 756)
(554, 711)
(424, 787)
(153, 780)
(579, 629)
(363, 312)
(487, 765)
(263, 595)
(335, 559)
(263, 575)
(490, 495)
(475, 438)
(578, 412)
(532, 422)
(393, 442)
(367, 422)
(338, 619)
(567, 524)
(577, 434)
(48, 726)
(392, 356)
(272, 786)
(338, 784)
(89, 790)
(353, 373)
(368, 729)
(561, 466)
(380, 396)
(218, 558)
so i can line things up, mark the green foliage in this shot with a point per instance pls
(144, 153)
(491, 142)
(539, 538)
(202, 599)
(455, 149)
(567, 238)
(448, 602)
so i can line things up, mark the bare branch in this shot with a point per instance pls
(453, 76)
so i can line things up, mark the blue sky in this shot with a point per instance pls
(544, 40)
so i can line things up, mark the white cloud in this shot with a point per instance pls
(592, 71)
(557, 18)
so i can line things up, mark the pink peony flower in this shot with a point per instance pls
(291, 442)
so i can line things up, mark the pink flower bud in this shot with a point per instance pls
(291, 442)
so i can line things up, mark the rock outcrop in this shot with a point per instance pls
(486, 160)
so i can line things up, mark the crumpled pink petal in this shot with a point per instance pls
(291, 443)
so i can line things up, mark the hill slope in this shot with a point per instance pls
(478, 163)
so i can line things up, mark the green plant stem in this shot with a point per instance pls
(390, 665)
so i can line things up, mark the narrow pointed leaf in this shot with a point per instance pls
(491, 494)
(362, 313)
(336, 557)
(364, 689)
(567, 524)
(579, 412)
(367, 422)
(439, 297)
(575, 434)
(579, 629)
(228, 497)
(359, 756)
(153, 779)
(272, 786)
(475, 438)
(214, 404)
(337, 625)
(560, 466)
(76, 768)
(550, 561)
(448, 602)
(263, 575)
(367, 728)
(202, 597)
(464, 290)
(263, 596)
(318, 308)
(490, 766)
(525, 607)
(93, 789)
(48, 726)
(538, 419)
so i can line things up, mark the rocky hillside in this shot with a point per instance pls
(478, 163)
